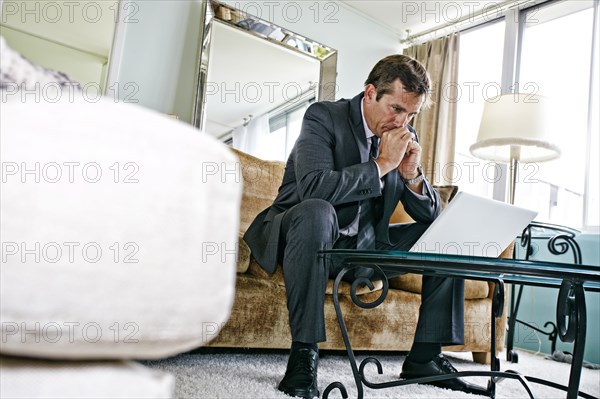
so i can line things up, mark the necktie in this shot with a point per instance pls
(374, 147)
(366, 221)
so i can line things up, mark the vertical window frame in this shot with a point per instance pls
(591, 106)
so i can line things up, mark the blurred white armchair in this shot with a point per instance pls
(116, 228)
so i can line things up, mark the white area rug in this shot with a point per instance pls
(250, 374)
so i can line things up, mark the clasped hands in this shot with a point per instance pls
(398, 149)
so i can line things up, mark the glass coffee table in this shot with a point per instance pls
(571, 280)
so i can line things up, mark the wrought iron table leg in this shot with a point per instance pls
(571, 320)
(559, 244)
(511, 354)
(497, 309)
(338, 311)
(358, 372)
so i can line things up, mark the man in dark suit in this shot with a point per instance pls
(352, 163)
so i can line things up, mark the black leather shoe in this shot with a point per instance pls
(301, 374)
(439, 365)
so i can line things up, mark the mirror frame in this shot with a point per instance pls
(327, 61)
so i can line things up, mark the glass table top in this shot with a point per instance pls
(533, 272)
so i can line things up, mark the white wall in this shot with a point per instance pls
(160, 47)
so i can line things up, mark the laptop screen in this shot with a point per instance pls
(474, 226)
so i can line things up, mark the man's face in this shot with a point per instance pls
(393, 110)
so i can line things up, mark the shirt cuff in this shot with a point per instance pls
(378, 170)
(379, 174)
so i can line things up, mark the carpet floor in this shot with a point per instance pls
(233, 374)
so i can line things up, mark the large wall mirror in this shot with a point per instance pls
(256, 79)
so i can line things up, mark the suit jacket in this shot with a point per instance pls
(330, 161)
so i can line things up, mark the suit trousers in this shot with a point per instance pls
(311, 226)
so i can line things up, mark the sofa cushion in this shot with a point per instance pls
(277, 278)
(473, 289)
(446, 194)
(412, 283)
(243, 255)
(261, 185)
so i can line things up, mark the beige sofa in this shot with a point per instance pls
(259, 317)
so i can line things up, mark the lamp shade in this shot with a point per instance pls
(516, 125)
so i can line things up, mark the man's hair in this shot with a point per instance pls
(412, 75)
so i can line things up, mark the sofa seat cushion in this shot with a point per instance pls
(412, 283)
(261, 185)
(277, 278)
(473, 289)
(32, 378)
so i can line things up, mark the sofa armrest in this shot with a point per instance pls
(506, 254)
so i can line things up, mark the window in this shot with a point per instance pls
(285, 125)
(556, 59)
(592, 186)
(273, 135)
(558, 186)
(479, 76)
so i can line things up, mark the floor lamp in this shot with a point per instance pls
(516, 128)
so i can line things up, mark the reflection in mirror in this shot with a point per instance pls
(62, 37)
(255, 81)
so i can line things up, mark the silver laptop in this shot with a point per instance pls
(474, 226)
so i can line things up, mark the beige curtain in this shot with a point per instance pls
(436, 125)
